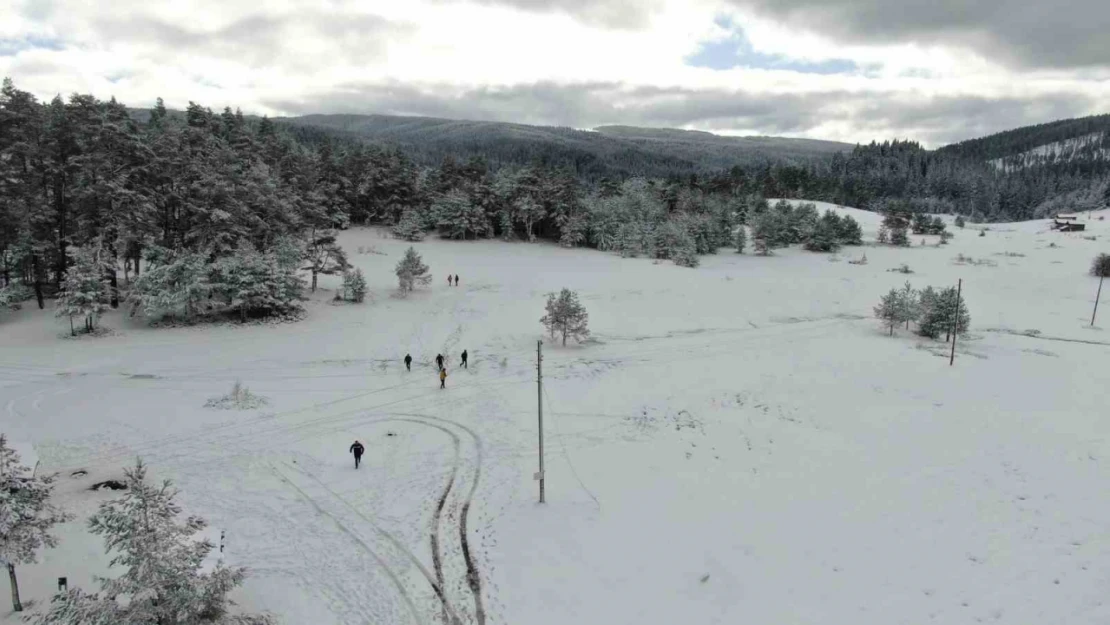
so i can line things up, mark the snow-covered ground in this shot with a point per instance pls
(738, 443)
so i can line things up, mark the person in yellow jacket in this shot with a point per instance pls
(443, 377)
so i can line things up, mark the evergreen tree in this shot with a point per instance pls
(459, 218)
(26, 515)
(960, 221)
(937, 226)
(850, 232)
(162, 580)
(324, 255)
(911, 304)
(938, 309)
(741, 238)
(354, 286)
(172, 284)
(803, 222)
(825, 235)
(674, 242)
(565, 316)
(410, 227)
(890, 310)
(412, 271)
(84, 292)
(921, 223)
(768, 232)
(1100, 267)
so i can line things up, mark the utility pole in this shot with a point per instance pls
(1097, 297)
(539, 405)
(956, 322)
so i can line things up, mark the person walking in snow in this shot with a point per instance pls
(464, 365)
(449, 280)
(408, 362)
(439, 361)
(456, 279)
(443, 378)
(357, 449)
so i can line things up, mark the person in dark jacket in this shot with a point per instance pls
(456, 279)
(439, 361)
(357, 449)
(449, 280)
(408, 362)
(464, 365)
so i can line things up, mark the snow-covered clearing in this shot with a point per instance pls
(739, 443)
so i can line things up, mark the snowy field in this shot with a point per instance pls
(739, 443)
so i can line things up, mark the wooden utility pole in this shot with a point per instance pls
(539, 405)
(956, 322)
(1097, 297)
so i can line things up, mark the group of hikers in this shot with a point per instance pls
(452, 280)
(357, 449)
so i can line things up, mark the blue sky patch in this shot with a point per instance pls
(736, 51)
(11, 47)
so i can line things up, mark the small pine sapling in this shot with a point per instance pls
(741, 238)
(354, 286)
(412, 271)
(566, 316)
(889, 310)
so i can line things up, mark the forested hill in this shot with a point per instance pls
(1029, 138)
(614, 151)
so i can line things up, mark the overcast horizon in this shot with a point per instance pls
(841, 70)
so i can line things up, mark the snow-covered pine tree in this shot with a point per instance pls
(572, 230)
(172, 284)
(412, 271)
(937, 310)
(674, 242)
(566, 316)
(911, 305)
(26, 515)
(802, 223)
(767, 232)
(1100, 267)
(921, 223)
(890, 310)
(825, 235)
(528, 211)
(410, 227)
(84, 294)
(162, 581)
(741, 238)
(13, 295)
(261, 282)
(896, 220)
(459, 218)
(937, 226)
(884, 234)
(324, 255)
(850, 232)
(960, 223)
(354, 285)
(635, 239)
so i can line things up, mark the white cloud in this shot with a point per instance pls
(460, 57)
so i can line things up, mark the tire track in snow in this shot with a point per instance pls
(405, 551)
(441, 503)
(405, 597)
(473, 577)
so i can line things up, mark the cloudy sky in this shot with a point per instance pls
(853, 70)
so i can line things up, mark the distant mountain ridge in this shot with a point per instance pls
(607, 150)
